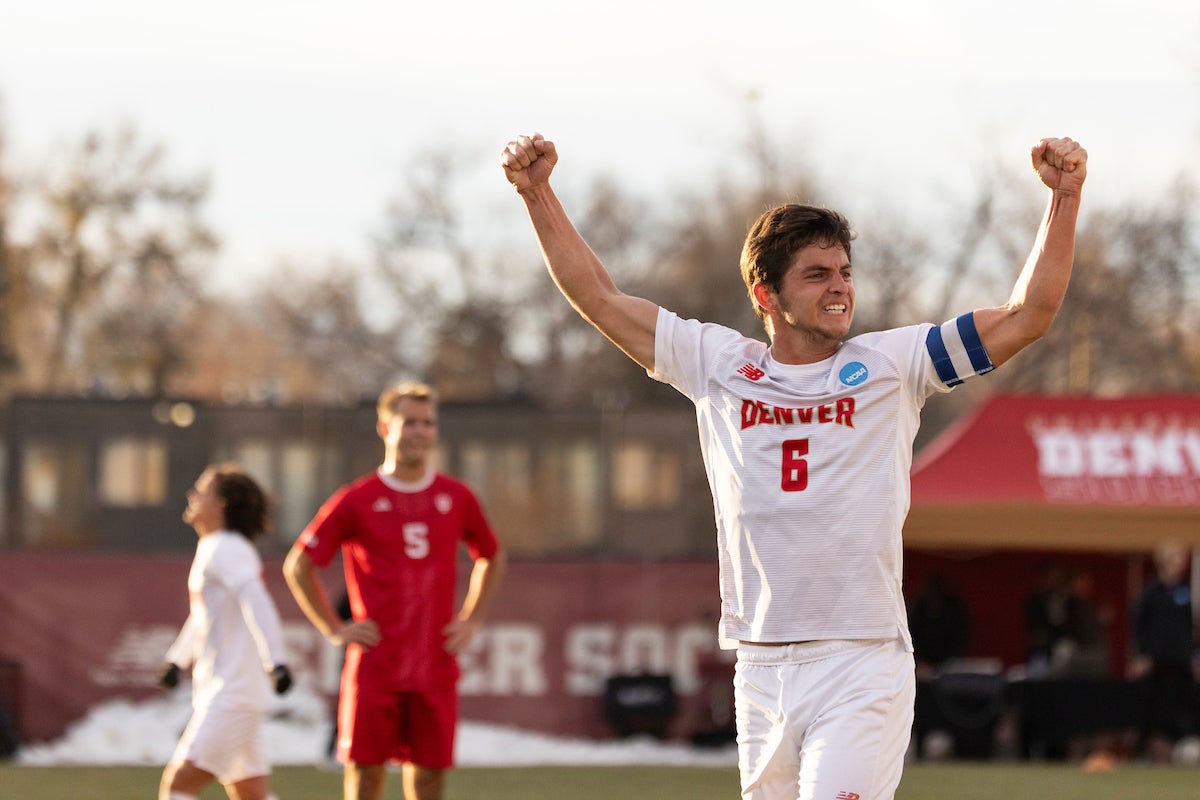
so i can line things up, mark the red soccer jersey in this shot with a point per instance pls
(399, 547)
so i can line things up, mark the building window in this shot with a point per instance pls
(253, 457)
(573, 518)
(54, 494)
(133, 472)
(501, 474)
(5, 533)
(645, 478)
(298, 496)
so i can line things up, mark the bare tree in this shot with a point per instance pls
(454, 302)
(1128, 322)
(323, 321)
(11, 273)
(570, 363)
(111, 267)
(894, 264)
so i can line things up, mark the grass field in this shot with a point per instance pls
(961, 781)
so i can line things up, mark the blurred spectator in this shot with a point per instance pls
(940, 624)
(1046, 617)
(1082, 652)
(1081, 649)
(1165, 655)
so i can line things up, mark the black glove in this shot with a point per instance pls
(282, 678)
(168, 676)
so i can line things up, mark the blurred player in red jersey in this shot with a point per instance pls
(232, 640)
(807, 441)
(399, 530)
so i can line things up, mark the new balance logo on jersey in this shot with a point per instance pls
(752, 372)
(381, 504)
(847, 796)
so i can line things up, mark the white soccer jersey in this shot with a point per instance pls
(809, 470)
(232, 637)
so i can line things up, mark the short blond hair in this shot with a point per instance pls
(390, 397)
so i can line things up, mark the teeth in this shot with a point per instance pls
(838, 308)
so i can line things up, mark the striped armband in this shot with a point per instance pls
(956, 350)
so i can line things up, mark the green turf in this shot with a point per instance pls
(961, 781)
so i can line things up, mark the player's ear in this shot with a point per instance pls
(764, 296)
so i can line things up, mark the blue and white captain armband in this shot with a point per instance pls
(957, 351)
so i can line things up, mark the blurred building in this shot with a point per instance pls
(111, 475)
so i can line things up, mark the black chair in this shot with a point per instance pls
(640, 704)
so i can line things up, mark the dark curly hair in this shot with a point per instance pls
(247, 507)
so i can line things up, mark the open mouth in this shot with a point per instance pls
(835, 308)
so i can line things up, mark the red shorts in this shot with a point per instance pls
(380, 726)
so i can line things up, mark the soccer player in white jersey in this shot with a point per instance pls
(807, 440)
(232, 640)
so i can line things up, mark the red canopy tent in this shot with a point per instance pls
(1061, 473)
(1091, 484)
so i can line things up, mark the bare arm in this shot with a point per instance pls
(1061, 165)
(486, 577)
(314, 602)
(627, 321)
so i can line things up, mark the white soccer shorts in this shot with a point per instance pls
(230, 744)
(823, 720)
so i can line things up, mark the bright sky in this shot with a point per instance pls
(305, 114)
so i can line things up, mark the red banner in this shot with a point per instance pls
(77, 630)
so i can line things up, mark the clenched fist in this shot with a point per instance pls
(1061, 164)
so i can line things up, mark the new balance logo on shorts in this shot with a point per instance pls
(847, 796)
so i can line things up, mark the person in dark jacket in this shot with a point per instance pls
(1165, 658)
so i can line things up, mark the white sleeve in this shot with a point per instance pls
(262, 619)
(182, 651)
(684, 350)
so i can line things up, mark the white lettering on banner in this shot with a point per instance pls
(140, 651)
(588, 650)
(1153, 462)
(504, 659)
(644, 649)
(135, 658)
(691, 643)
(594, 652)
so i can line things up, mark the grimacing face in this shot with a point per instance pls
(816, 295)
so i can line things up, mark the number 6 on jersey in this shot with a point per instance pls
(795, 468)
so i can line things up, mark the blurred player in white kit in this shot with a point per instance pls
(232, 640)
